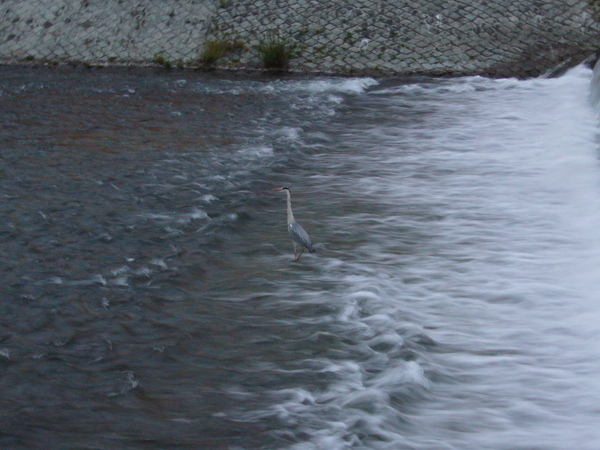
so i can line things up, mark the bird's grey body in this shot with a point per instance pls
(299, 237)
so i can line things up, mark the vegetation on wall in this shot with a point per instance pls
(276, 52)
(161, 59)
(213, 50)
(217, 48)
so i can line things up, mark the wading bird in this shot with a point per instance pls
(297, 233)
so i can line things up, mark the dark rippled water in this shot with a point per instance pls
(149, 298)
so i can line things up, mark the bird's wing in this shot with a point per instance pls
(299, 235)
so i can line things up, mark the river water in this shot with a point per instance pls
(150, 300)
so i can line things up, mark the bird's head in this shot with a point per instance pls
(284, 188)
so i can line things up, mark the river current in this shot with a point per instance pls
(149, 293)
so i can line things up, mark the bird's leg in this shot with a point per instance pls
(301, 251)
(295, 251)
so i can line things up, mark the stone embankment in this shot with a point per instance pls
(436, 37)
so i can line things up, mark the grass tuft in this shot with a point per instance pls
(161, 60)
(276, 53)
(214, 50)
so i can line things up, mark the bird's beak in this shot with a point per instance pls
(278, 189)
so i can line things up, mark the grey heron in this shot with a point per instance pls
(297, 233)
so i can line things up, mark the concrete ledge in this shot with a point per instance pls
(434, 37)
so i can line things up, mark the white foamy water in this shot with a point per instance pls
(461, 226)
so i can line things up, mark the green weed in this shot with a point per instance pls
(214, 50)
(276, 53)
(161, 60)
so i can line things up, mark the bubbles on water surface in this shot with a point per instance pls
(256, 152)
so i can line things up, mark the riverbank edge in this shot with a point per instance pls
(584, 57)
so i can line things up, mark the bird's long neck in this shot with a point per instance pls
(290, 215)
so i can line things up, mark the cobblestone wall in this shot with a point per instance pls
(103, 31)
(495, 37)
